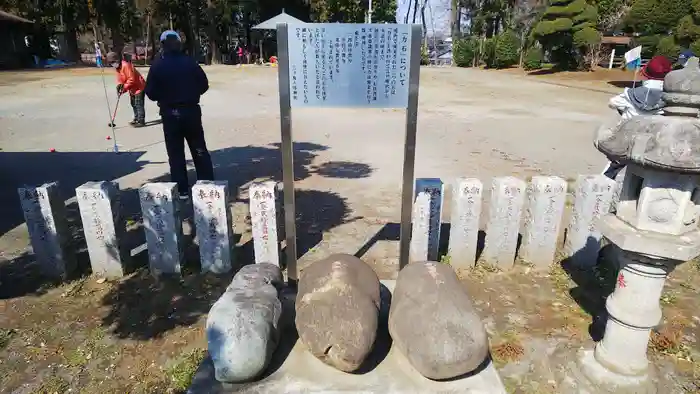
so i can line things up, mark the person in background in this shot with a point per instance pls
(177, 82)
(683, 58)
(641, 100)
(98, 55)
(131, 81)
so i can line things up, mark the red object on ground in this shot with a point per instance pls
(52, 150)
(273, 59)
(109, 138)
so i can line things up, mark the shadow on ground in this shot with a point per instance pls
(143, 307)
(593, 283)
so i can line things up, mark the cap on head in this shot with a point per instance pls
(685, 55)
(169, 33)
(113, 57)
(657, 68)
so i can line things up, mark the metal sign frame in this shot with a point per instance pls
(287, 148)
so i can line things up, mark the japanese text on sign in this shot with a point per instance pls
(349, 65)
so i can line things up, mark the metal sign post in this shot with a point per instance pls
(348, 65)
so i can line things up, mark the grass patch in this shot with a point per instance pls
(182, 371)
(89, 349)
(53, 385)
(6, 335)
(446, 259)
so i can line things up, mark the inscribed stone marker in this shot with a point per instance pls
(503, 226)
(420, 231)
(162, 222)
(326, 61)
(104, 227)
(435, 189)
(546, 197)
(464, 225)
(594, 195)
(212, 218)
(45, 214)
(263, 218)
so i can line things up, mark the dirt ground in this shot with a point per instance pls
(142, 335)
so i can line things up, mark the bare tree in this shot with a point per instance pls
(615, 17)
(525, 14)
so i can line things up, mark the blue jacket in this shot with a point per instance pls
(176, 81)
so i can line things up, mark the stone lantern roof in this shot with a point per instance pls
(669, 142)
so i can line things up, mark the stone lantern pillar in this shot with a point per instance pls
(654, 229)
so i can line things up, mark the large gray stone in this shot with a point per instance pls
(433, 323)
(337, 310)
(242, 326)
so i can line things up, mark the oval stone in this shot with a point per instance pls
(242, 326)
(433, 323)
(337, 308)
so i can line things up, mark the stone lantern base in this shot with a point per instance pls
(585, 375)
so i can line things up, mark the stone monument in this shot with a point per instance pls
(654, 229)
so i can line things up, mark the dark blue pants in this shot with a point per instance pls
(180, 125)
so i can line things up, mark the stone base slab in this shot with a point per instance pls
(585, 375)
(676, 247)
(295, 370)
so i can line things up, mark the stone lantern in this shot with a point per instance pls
(654, 229)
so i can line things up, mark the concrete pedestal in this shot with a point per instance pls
(294, 370)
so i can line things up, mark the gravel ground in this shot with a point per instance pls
(142, 335)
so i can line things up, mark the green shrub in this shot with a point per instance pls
(533, 59)
(695, 46)
(507, 49)
(586, 37)
(648, 44)
(488, 56)
(573, 8)
(546, 27)
(464, 50)
(667, 47)
(424, 59)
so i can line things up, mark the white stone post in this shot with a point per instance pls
(162, 222)
(634, 310)
(503, 226)
(612, 59)
(594, 195)
(435, 189)
(543, 215)
(104, 228)
(420, 228)
(212, 217)
(263, 219)
(464, 224)
(45, 214)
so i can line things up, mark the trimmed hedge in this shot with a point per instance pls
(507, 51)
(464, 50)
(533, 59)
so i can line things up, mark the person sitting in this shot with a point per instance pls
(641, 100)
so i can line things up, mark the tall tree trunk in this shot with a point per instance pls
(213, 34)
(415, 10)
(454, 19)
(408, 12)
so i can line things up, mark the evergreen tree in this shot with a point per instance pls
(568, 30)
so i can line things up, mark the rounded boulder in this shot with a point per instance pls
(432, 321)
(242, 326)
(337, 308)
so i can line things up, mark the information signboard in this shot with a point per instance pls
(349, 65)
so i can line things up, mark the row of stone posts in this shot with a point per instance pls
(540, 204)
(537, 208)
(104, 226)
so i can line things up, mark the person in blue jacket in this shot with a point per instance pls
(176, 82)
